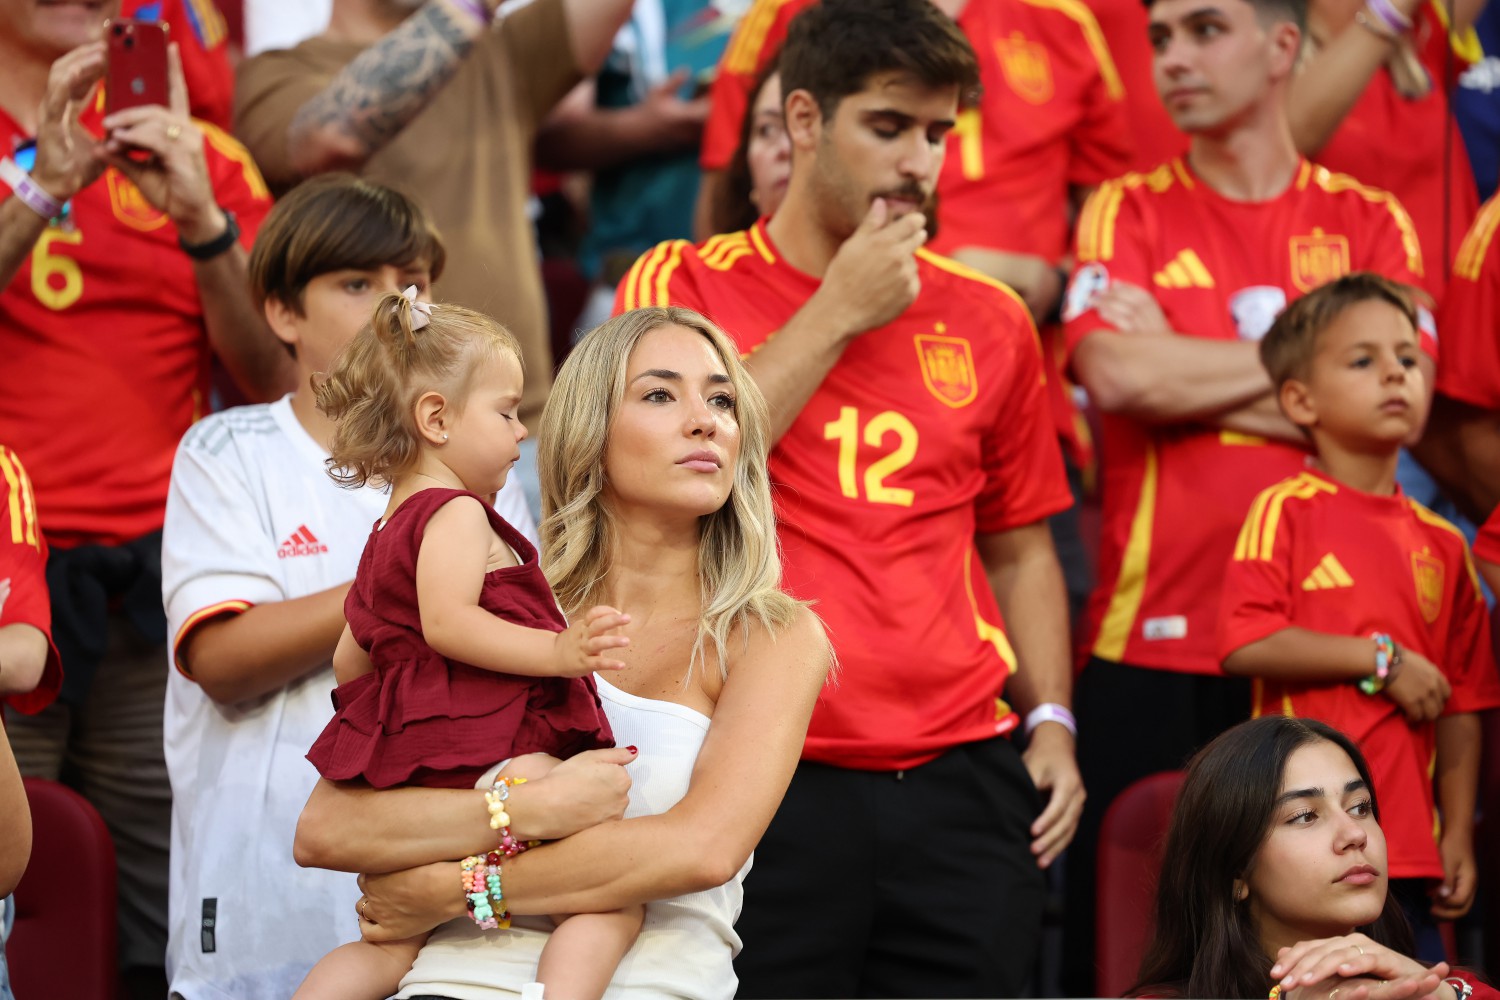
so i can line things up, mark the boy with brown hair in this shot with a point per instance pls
(1348, 602)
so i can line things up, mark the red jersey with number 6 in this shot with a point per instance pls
(927, 431)
(106, 354)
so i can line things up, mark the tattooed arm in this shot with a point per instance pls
(383, 89)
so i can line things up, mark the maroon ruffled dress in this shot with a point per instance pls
(422, 719)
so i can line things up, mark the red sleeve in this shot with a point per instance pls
(1469, 365)
(1023, 467)
(659, 278)
(756, 39)
(1101, 147)
(237, 182)
(1470, 660)
(1256, 600)
(23, 561)
(1109, 246)
(1487, 544)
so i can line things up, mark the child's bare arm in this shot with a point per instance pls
(349, 660)
(237, 657)
(450, 574)
(1299, 654)
(1458, 758)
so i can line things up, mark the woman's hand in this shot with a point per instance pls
(407, 903)
(1356, 967)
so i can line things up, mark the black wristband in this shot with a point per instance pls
(1054, 317)
(209, 249)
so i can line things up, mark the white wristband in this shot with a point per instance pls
(28, 191)
(1051, 712)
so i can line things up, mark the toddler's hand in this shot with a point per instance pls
(584, 646)
(1419, 687)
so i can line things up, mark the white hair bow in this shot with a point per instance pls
(421, 312)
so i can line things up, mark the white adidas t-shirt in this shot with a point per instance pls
(252, 517)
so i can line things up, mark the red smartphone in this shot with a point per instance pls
(137, 62)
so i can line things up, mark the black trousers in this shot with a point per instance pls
(1132, 722)
(916, 883)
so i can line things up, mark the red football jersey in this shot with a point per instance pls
(1487, 542)
(1469, 365)
(1410, 135)
(1319, 555)
(1174, 496)
(928, 430)
(23, 561)
(1052, 115)
(202, 40)
(106, 356)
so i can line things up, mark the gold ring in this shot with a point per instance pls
(362, 901)
(173, 131)
(1334, 993)
(1360, 950)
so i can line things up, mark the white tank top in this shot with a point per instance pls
(687, 943)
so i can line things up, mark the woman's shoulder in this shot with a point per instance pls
(798, 637)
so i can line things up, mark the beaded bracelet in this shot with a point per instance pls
(1385, 655)
(494, 801)
(476, 892)
(1461, 988)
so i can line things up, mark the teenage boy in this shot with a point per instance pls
(259, 549)
(1351, 603)
(916, 469)
(1180, 272)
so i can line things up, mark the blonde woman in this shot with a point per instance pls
(657, 502)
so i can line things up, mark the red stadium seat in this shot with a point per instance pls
(1130, 846)
(63, 944)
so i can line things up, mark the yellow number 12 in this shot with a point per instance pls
(845, 430)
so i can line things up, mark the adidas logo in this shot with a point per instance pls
(1185, 270)
(301, 542)
(1328, 574)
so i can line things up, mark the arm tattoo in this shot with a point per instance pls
(387, 85)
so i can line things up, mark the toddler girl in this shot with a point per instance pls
(455, 655)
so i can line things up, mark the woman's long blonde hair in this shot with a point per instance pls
(739, 563)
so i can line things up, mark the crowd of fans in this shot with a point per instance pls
(1130, 370)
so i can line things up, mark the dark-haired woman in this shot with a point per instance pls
(1274, 879)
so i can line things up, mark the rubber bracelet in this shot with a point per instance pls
(1051, 712)
(1388, 15)
(209, 249)
(29, 191)
(477, 9)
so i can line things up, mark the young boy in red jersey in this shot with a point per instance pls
(1348, 602)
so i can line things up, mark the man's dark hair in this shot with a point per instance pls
(1271, 11)
(833, 49)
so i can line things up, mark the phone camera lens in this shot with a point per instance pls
(119, 30)
(130, 41)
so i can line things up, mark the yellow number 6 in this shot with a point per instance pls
(45, 264)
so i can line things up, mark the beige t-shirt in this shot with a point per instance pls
(466, 157)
